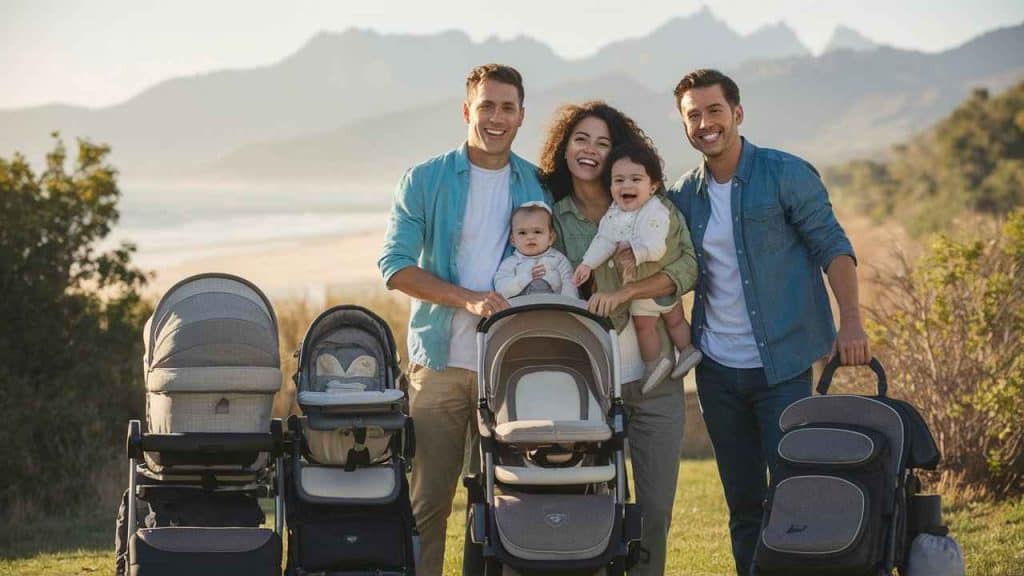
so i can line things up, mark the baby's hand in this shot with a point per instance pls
(539, 270)
(581, 275)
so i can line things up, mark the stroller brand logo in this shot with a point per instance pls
(351, 539)
(556, 519)
(796, 528)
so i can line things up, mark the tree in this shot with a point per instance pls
(70, 351)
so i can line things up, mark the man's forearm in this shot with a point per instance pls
(654, 286)
(842, 277)
(422, 285)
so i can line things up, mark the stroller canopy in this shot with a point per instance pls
(347, 346)
(550, 331)
(211, 332)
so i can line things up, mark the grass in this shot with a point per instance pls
(991, 534)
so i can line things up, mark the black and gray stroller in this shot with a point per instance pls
(551, 498)
(211, 369)
(843, 498)
(348, 498)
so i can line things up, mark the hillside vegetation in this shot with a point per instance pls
(970, 162)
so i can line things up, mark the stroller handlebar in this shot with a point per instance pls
(485, 323)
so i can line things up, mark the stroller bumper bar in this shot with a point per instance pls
(205, 444)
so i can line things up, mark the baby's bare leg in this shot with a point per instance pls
(678, 327)
(647, 337)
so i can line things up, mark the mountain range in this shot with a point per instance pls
(364, 105)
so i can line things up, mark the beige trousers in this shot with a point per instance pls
(443, 408)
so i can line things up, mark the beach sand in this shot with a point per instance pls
(301, 268)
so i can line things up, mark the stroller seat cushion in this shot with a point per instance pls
(202, 539)
(537, 476)
(555, 526)
(343, 397)
(372, 483)
(551, 431)
(364, 366)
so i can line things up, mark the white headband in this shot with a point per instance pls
(536, 204)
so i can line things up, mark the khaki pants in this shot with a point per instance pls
(443, 407)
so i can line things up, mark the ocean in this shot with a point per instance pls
(174, 224)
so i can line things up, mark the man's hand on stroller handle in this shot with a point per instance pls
(485, 303)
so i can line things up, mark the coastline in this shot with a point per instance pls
(302, 267)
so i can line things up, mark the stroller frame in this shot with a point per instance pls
(205, 447)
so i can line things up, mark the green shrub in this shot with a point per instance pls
(70, 351)
(951, 330)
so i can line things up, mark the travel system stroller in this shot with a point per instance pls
(348, 498)
(843, 497)
(211, 370)
(551, 498)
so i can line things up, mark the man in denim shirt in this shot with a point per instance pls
(763, 230)
(448, 232)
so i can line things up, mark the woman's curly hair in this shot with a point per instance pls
(554, 170)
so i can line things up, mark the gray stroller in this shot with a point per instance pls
(551, 498)
(347, 495)
(211, 369)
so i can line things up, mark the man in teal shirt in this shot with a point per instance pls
(763, 231)
(447, 234)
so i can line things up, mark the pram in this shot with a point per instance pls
(551, 497)
(211, 370)
(347, 495)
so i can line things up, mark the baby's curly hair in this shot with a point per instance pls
(638, 152)
(554, 171)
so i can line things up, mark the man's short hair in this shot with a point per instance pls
(498, 73)
(705, 77)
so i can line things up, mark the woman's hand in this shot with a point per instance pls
(604, 303)
(581, 275)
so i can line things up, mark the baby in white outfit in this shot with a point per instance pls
(637, 219)
(534, 266)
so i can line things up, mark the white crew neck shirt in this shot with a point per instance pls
(727, 336)
(485, 233)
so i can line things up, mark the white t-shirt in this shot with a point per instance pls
(727, 337)
(485, 230)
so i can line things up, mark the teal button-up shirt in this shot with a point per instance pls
(786, 234)
(424, 229)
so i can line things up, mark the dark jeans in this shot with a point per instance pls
(742, 415)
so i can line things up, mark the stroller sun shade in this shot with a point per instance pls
(526, 342)
(347, 364)
(211, 359)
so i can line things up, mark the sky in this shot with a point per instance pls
(101, 52)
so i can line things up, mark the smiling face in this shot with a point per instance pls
(588, 146)
(493, 114)
(531, 231)
(712, 125)
(631, 185)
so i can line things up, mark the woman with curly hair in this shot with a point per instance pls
(572, 163)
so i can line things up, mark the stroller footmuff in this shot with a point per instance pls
(551, 498)
(843, 484)
(212, 368)
(348, 498)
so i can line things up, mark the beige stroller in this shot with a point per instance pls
(551, 498)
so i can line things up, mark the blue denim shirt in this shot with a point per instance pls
(424, 229)
(786, 234)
